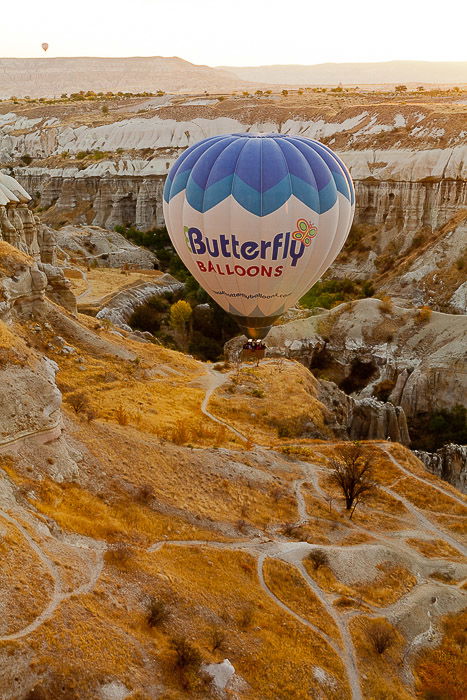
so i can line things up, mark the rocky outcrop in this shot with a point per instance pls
(372, 350)
(121, 306)
(92, 245)
(449, 463)
(24, 231)
(22, 293)
(348, 417)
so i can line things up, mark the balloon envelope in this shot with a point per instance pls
(45, 46)
(257, 219)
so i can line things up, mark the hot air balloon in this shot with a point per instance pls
(257, 219)
(45, 46)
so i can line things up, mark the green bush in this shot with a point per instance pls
(430, 431)
(328, 293)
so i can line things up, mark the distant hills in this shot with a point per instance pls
(439, 72)
(48, 77)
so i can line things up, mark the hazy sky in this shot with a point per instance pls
(238, 32)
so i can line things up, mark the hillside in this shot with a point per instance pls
(48, 77)
(387, 73)
(145, 527)
(172, 528)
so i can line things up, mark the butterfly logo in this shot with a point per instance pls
(305, 232)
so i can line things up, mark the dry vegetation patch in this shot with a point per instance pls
(436, 549)
(25, 584)
(379, 663)
(270, 404)
(441, 672)
(289, 586)
(269, 649)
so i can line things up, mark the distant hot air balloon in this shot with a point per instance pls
(258, 219)
(45, 46)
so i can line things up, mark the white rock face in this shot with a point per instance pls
(458, 300)
(106, 248)
(123, 304)
(155, 133)
(221, 673)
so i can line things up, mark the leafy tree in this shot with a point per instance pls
(285, 92)
(401, 88)
(180, 316)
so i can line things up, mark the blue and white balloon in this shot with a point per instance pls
(258, 219)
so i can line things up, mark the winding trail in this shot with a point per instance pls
(290, 551)
(58, 594)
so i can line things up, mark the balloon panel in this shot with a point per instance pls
(258, 218)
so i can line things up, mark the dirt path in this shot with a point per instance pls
(213, 381)
(427, 482)
(58, 594)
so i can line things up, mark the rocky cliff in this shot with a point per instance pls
(370, 348)
(22, 230)
(449, 463)
(408, 163)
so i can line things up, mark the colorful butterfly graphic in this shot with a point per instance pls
(305, 232)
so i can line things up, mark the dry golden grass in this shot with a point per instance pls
(389, 586)
(428, 498)
(11, 258)
(379, 671)
(261, 649)
(289, 586)
(156, 395)
(441, 672)
(80, 511)
(385, 589)
(270, 404)
(456, 524)
(107, 281)
(356, 538)
(325, 578)
(436, 548)
(25, 583)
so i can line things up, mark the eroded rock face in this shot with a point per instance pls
(348, 417)
(449, 463)
(98, 246)
(121, 307)
(370, 351)
(24, 231)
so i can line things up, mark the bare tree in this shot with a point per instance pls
(352, 471)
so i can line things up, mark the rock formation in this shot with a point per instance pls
(370, 350)
(92, 245)
(121, 306)
(24, 231)
(449, 463)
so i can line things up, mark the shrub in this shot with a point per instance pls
(186, 655)
(386, 305)
(122, 416)
(79, 402)
(119, 555)
(145, 494)
(423, 314)
(105, 109)
(217, 639)
(380, 635)
(318, 557)
(26, 159)
(246, 616)
(157, 612)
